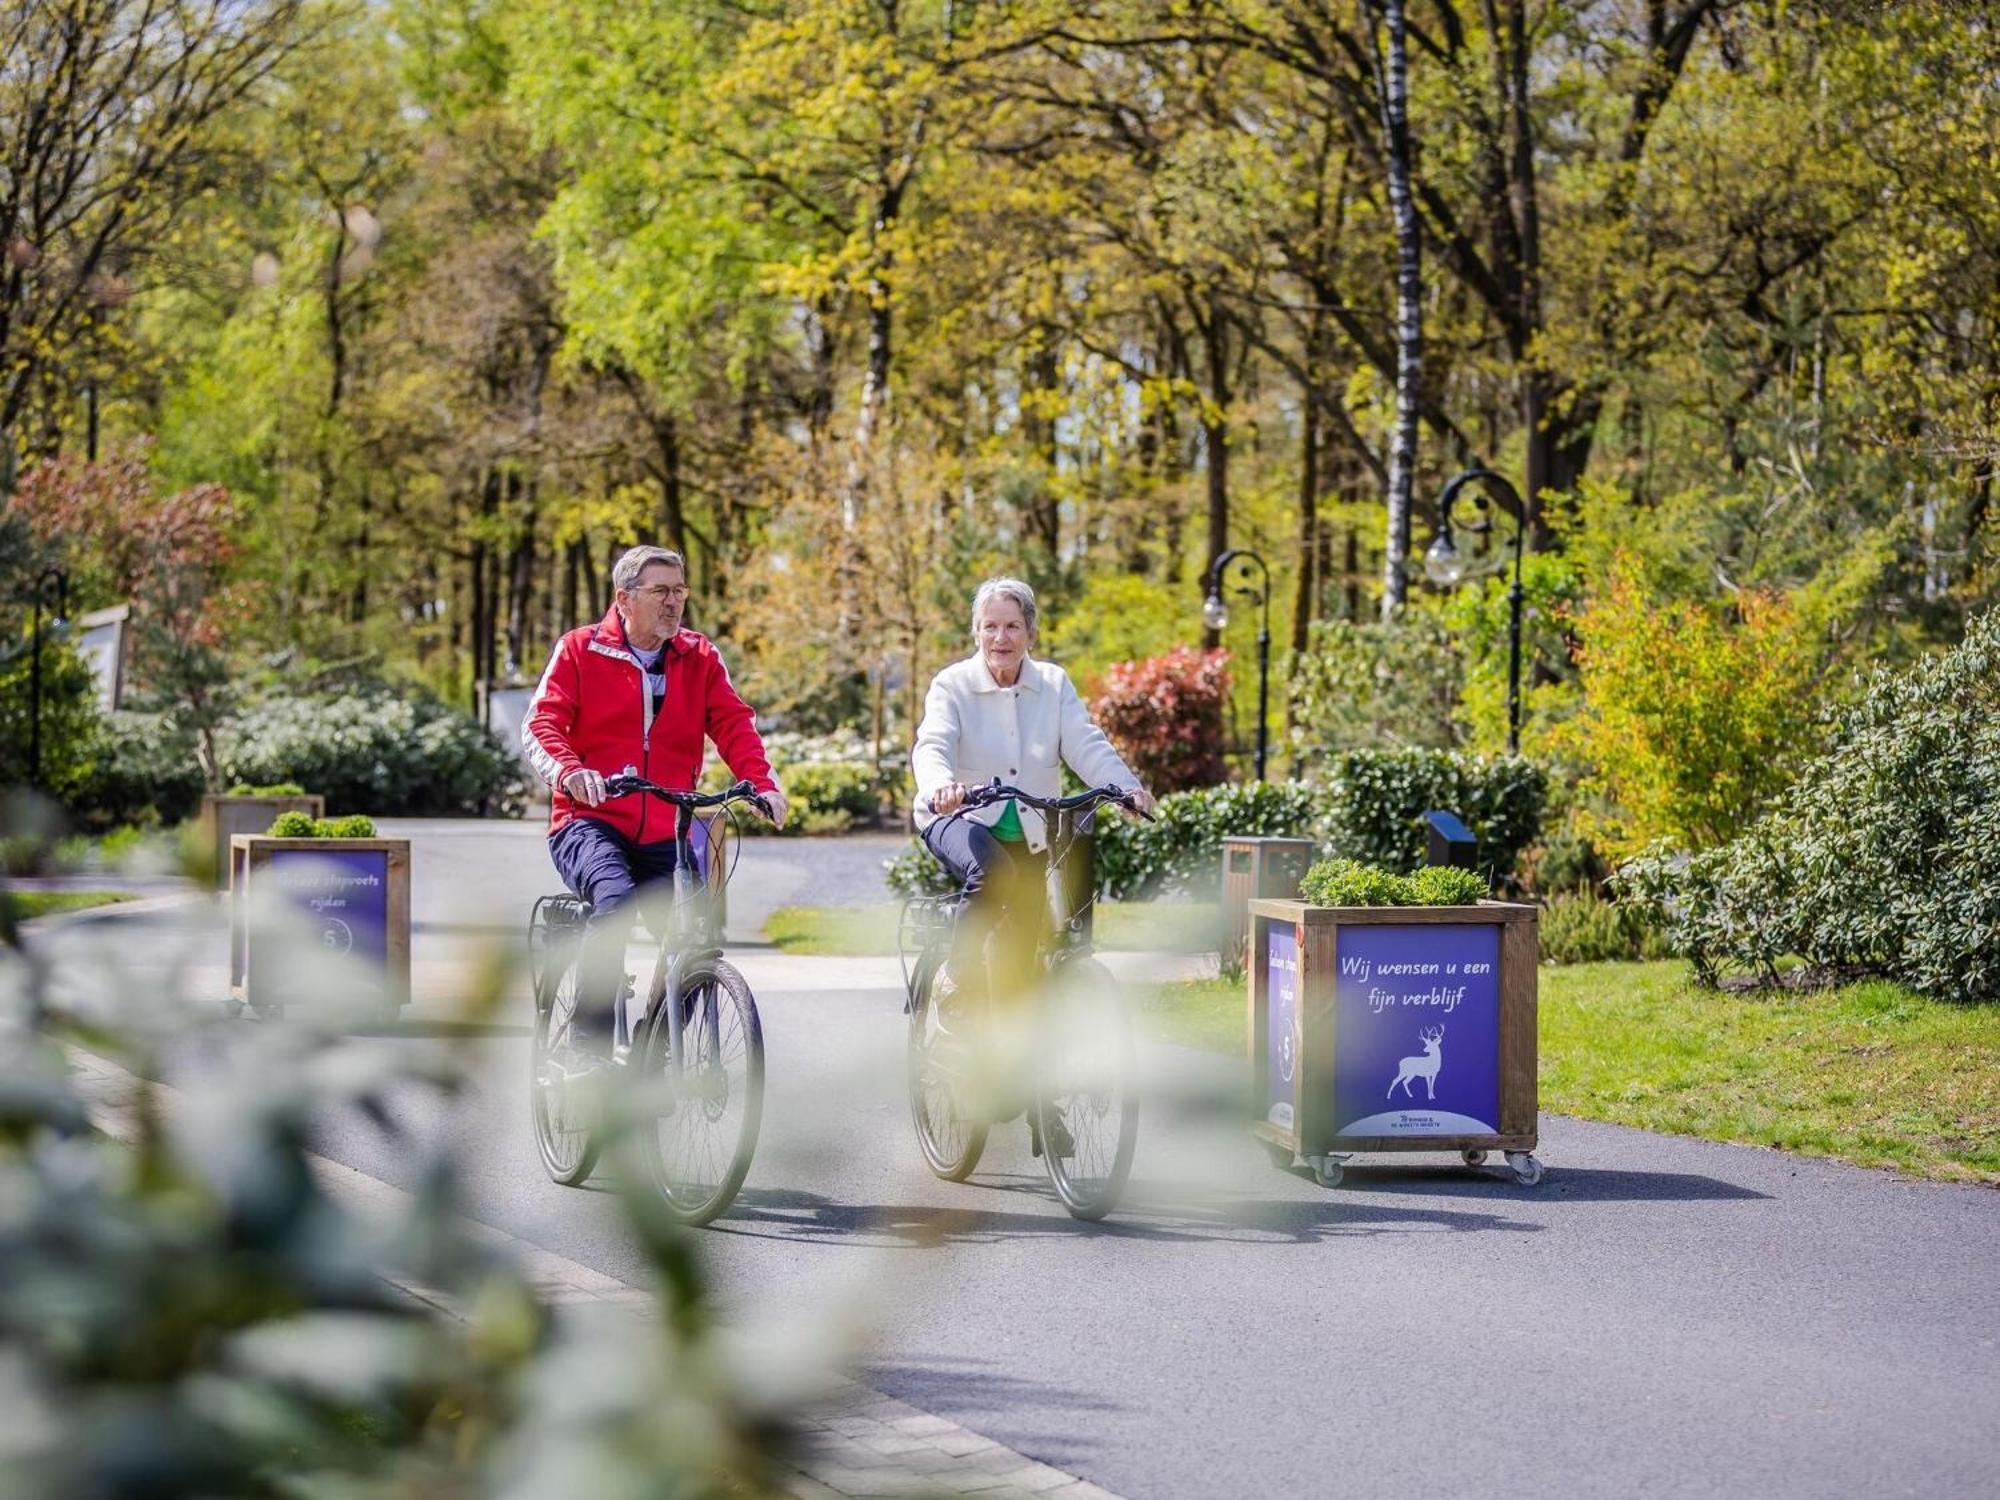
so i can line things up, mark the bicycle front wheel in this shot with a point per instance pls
(1087, 1096)
(702, 1083)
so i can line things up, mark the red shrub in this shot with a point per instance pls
(1165, 715)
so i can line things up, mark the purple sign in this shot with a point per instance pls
(1417, 1031)
(344, 895)
(1281, 1019)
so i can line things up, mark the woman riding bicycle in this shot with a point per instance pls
(1001, 713)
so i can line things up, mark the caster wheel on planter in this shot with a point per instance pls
(1527, 1171)
(1474, 1158)
(1326, 1169)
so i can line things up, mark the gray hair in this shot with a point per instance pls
(1005, 588)
(625, 572)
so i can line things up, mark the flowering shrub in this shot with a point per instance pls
(1165, 716)
(374, 752)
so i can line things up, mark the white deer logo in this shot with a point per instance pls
(1425, 1067)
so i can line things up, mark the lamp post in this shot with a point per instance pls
(1215, 615)
(61, 581)
(1447, 566)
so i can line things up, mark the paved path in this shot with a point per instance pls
(1660, 1317)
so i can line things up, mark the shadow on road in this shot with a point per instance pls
(1571, 1184)
(1157, 1213)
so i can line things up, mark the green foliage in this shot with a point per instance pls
(276, 789)
(1374, 686)
(398, 757)
(1347, 882)
(914, 871)
(832, 796)
(1693, 717)
(1475, 615)
(1374, 806)
(192, 1308)
(303, 825)
(1446, 885)
(1179, 854)
(1580, 927)
(71, 735)
(144, 771)
(1884, 855)
(1117, 617)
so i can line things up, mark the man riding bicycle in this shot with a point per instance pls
(1002, 714)
(637, 689)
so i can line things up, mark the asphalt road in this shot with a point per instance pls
(1659, 1317)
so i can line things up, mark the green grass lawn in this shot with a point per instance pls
(1868, 1073)
(30, 904)
(863, 930)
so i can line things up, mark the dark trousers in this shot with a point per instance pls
(608, 870)
(1006, 893)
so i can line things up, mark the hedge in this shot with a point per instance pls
(1370, 812)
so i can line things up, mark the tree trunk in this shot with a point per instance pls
(1302, 603)
(521, 580)
(1395, 92)
(1215, 433)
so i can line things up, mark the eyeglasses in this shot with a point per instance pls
(664, 591)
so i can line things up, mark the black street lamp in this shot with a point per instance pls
(1446, 565)
(1215, 615)
(61, 581)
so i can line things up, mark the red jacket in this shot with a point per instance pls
(591, 710)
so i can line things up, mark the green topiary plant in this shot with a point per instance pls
(276, 789)
(353, 826)
(1347, 882)
(1446, 885)
(294, 825)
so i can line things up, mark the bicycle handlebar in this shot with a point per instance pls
(983, 796)
(628, 782)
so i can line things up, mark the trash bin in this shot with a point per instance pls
(1393, 1029)
(1253, 867)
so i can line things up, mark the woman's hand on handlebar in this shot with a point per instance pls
(585, 786)
(1141, 802)
(949, 798)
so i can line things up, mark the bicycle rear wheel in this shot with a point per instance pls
(566, 1139)
(940, 1062)
(1087, 1089)
(701, 1087)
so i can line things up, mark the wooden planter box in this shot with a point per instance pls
(352, 897)
(1393, 1028)
(223, 818)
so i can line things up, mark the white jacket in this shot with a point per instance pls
(975, 730)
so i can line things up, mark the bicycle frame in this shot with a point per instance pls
(1070, 897)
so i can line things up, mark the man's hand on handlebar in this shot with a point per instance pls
(1142, 802)
(585, 785)
(949, 798)
(776, 805)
